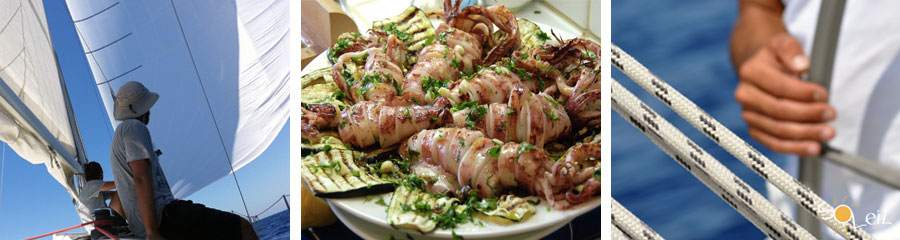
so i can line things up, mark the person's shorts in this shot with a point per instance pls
(188, 220)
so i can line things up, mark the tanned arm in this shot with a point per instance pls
(146, 203)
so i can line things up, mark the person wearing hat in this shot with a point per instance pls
(147, 200)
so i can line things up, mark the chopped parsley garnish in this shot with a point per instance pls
(464, 105)
(541, 35)
(442, 37)
(381, 202)
(412, 152)
(494, 152)
(455, 237)
(369, 81)
(348, 77)
(475, 115)
(590, 55)
(551, 114)
(397, 87)
(537, 11)
(392, 29)
(435, 119)
(408, 115)
(510, 110)
(360, 58)
(428, 40)
(326, 148)
(432, 85)
(523, 148)
(339, 46)
(454, 63)
(339, 95)
(535, 203)
(548, 208)
(597, 174)
(551, 100)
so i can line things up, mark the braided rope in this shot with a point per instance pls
(630, 225)
(733, 144)
(752, 205)
(618, 234)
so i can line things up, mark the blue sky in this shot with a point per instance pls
(32, 203)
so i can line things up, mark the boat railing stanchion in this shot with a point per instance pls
(821, 67)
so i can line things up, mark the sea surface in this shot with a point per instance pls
(274, 227)
(684, 42)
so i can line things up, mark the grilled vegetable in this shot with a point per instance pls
(417, 210)
(319, 88)
(531, 35)
(511, 208)
(339, 173)
(412, 27)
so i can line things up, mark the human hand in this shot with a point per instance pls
(782, 111)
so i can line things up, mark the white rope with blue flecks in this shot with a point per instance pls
(738, 194)
(630, 225)
(733, 144)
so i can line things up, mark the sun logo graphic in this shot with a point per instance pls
(842, 213)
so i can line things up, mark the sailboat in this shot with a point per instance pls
(220, 67)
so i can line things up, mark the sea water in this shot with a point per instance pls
(686, 44)
(274, 227)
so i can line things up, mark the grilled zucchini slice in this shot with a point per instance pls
(414, 209)
(510, 207)
(340, 173)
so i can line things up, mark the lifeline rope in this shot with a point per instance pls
(705, 167)
(631, 226)
(733, 144)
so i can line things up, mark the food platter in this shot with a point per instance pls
(369, 219)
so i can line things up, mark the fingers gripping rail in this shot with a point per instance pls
(722, 136)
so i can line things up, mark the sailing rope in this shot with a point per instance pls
(629, 225)
(681, 148)
(211, 114)
(618, 234)
(747, 201)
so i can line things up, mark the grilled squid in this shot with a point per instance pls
(450, 158)
(369, 123)
(490, 85)
(376, 81)
(440, 63)
(318, 116)
(480, 21)
(527, 117)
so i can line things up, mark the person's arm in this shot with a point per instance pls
(144, 189)
(108, 186)
(782, 111)
(758, 22)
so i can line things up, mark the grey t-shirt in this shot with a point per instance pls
(90, 195)
(131, 143)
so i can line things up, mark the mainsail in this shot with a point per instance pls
(35, 117)
(221, 69)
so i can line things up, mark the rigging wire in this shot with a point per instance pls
(209, 106)
(103, 117)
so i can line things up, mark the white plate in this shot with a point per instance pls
(539, 225)
(368, 230)
(368, 219)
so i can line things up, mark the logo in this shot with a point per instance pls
(844, 215)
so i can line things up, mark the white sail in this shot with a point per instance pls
(220, 68)
(29, 69)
